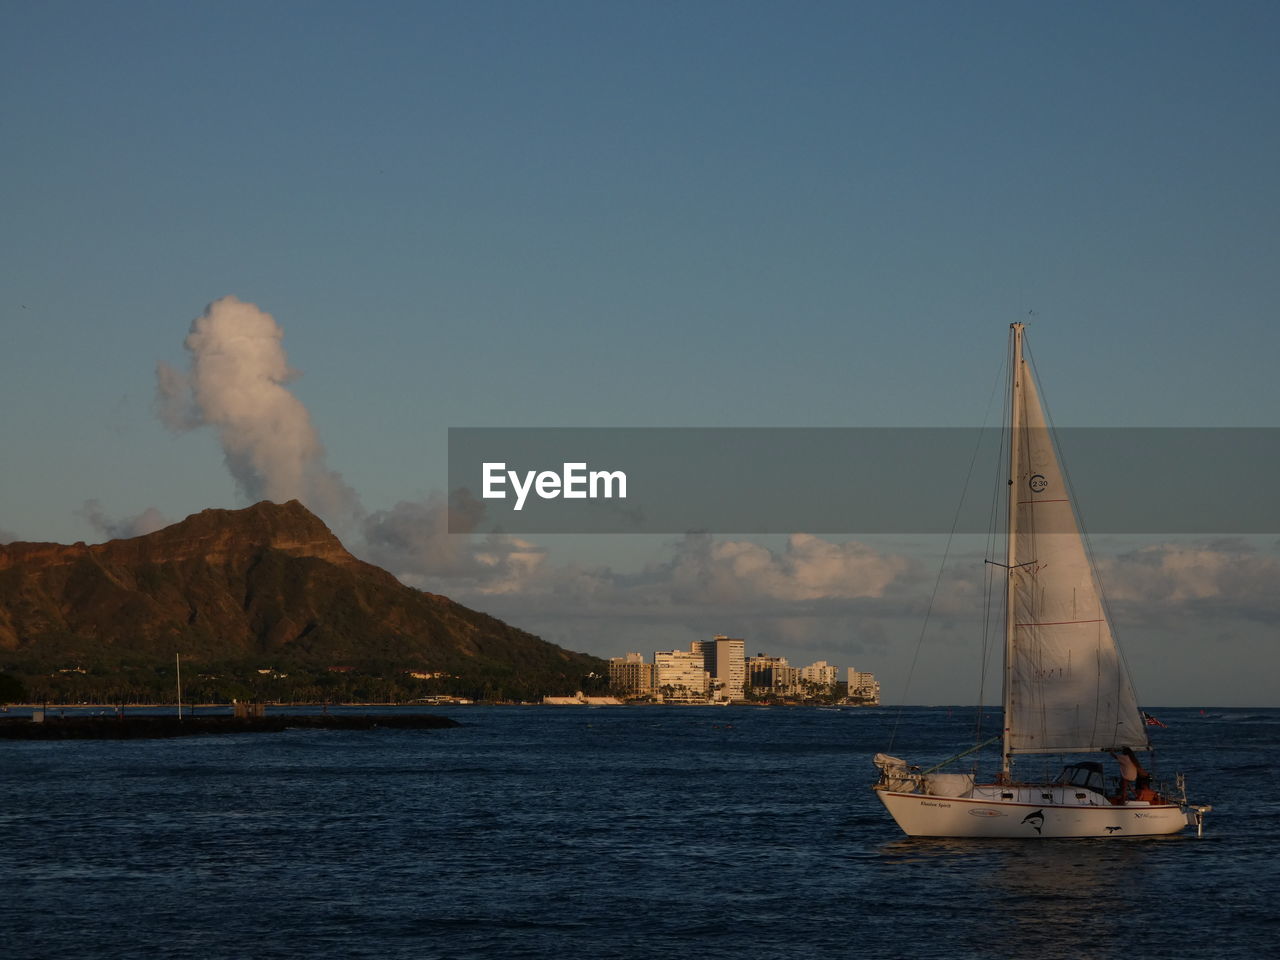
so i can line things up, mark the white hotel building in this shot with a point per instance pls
(680, 674)
(864, 687)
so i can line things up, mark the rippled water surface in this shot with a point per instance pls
(604, 832)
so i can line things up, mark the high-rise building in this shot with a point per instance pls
(680, 674)
(724, 659)
(863, 687)
(630, 675)
(820, 674)
(772, 675)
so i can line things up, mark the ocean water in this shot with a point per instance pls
(605, 833)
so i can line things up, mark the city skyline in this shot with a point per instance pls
(421, 216)
(720, 671)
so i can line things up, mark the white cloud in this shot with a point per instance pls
(1185, 579)
(148, 521)
(700, 575)
(236, 384)
(412, 540)
(706, 570)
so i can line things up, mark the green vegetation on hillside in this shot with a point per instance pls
(260, 604)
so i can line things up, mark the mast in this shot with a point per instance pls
(1010, 560)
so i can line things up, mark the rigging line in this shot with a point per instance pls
(955, 522)
(974, 749)
(1089, 552)
(988, 588)
(994, 639)
(992, 535)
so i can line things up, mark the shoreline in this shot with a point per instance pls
(136, 727)
(382, 704)
(19, 711)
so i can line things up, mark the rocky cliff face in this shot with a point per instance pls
(211, 536)
(267, 582)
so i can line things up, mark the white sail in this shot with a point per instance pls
(1067, 689)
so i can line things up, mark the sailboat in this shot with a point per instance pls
(1066, 688)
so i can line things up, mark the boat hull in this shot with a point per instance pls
(921, 815)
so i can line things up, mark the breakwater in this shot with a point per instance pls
(151, 727)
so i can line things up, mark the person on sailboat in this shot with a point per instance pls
(1144, 791)
(1130, 771)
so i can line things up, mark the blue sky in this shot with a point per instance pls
(646, 214)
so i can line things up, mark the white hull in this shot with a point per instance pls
(922, 815)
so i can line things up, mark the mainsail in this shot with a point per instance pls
(1066, 686)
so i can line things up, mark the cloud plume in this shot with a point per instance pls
(236, 383)
(148, 521)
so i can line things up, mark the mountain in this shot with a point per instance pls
(241, 594)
